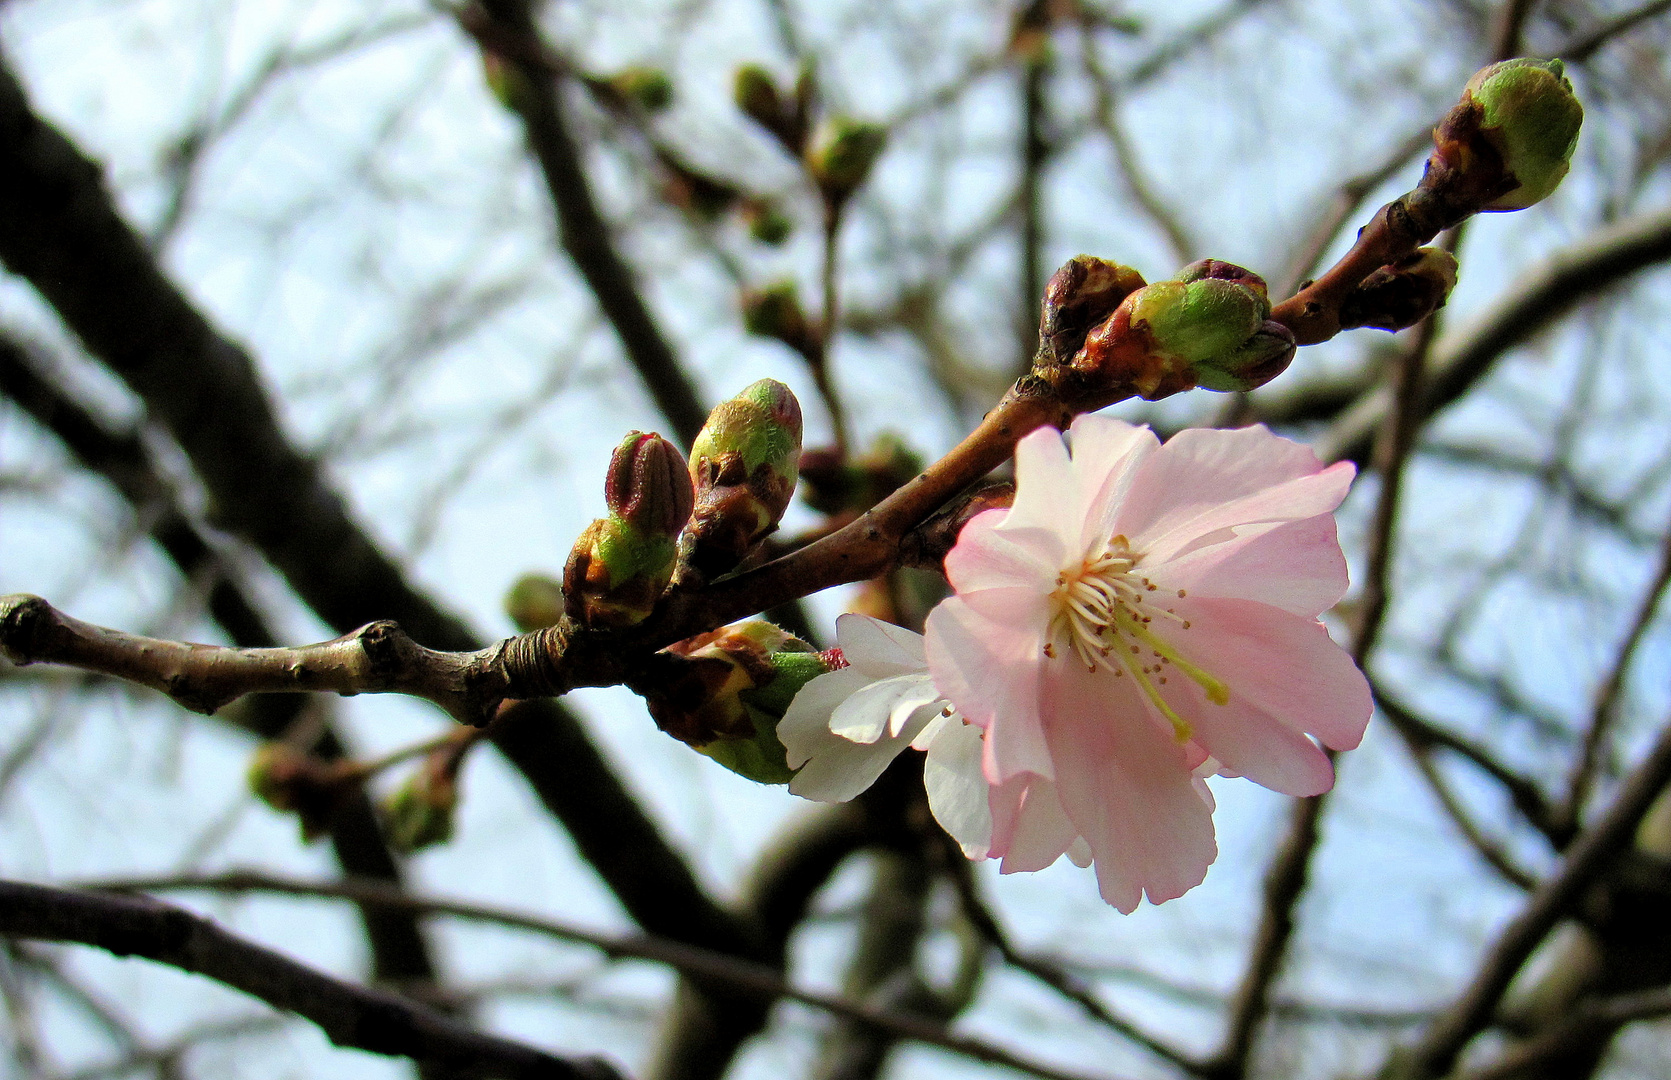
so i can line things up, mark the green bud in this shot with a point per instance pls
(419, 813)
(293, 781)
(1530, 114)
(694, 190)
(534, 602)
(1083, 293)
(743, 464)
(775, 312)
(621, 564)
(507, 82)
(727, 690)
(1401, 294)
(647, 87)
(1251, 364)
(766, 223)
(842, 153)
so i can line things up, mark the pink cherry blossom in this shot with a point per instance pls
(1144, 614)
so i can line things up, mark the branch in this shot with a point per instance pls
(351, 1016)
(1590, 1020)
(1588, 856)
(60, 229)
(1606, 704)
(756, 980)
(507, 28)
(1539, 299)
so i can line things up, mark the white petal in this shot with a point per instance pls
(805, 726)
(883, 707)
(879, 649)
(840, 769)
(957, 791)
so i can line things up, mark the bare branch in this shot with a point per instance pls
(350, 1015)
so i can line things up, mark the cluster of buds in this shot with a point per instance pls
(1508, 142)
(419, 813)
(743, 465)
(646, 88)
(775, 312)
(622, 563)
(834, 484)
(838, 153)
(1209, 326)
(784, 114)
(293, 781)
(724, 692)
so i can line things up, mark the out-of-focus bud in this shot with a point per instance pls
(743, 464)
(1207, 327)
(726, 690)
(1083, 293)
(757, 95)
(1508, 142)
(647, 87)
(766, 223)
(775, 312)
(842, 153)
(1401, 294)
(693, 190)
(293, 781)
(507, 82)
(419, 813)
(622, 564)
(833, 484)
(534, 602)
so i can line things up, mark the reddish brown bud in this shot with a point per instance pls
(1402, 294)
(1081, 294)
(649, 485)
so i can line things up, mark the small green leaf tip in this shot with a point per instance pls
(1530, 114)
(419, 813)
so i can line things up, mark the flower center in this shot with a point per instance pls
(1102, 615)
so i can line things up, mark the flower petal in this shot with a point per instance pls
(1123, 781)
(838, 769)
(1106, 454)
(1296, 566)
(1045, 498)
(883, 707)
(1038, 832)
(805, 727)
(1253, 744)
(879, 649)
(990, 671)
(957, 792)
(1284, 665)
(1293, 500)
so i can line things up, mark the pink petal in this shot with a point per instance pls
(990, 671)
(1189, 527)
(1282, 664)
(987, 557)
(1251, 743)
(1045, 498)
(881, 650)
(1296, 566)
(1036, 831)
(1106, 454)
(1123, 781)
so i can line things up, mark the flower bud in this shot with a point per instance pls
(744, 466)
(1401, 294)
(293, 781)
(419, 813)
(757, 95)
(1083, 293)
(534, 602)
(647, 87)
(842, 153)
(507, 82)
(834, 484)
(1532, 116)
(693, 190)
(1508, 142)
(622, 564)
(1208, 327)
(775, 312)
(648, 485)
(766, 223)
(726, 691)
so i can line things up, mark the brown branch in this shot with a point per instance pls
(1484, 846)
(399, 952)
(1540, 298)
(1605, 708)
(351, 1016)
(1592, 1019)
(756, 980)
(1588, 856)
(60, 229)
(507, 28)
